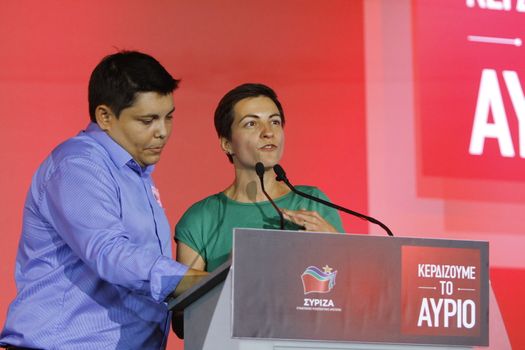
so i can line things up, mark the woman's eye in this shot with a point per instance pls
(146, 121)
(276, 122)
(249, 124)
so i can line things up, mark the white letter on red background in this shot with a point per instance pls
(489, 99)
(518, 102)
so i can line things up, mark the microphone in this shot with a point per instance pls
(259, 169)
(281, 176)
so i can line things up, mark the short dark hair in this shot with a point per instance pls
(224, 112)
(117, 79)
(223, 118)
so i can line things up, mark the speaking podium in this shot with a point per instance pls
(286, 290)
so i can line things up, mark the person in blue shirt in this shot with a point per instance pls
(94, 264)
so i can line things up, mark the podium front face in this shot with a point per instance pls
(358, 288)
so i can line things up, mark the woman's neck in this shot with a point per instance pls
(247, 186)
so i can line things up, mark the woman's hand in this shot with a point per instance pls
(310, 220)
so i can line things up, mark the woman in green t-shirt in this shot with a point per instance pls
(249, 121)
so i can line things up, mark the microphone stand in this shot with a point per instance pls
(259, 169)
(281, 176)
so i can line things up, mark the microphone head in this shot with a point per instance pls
(279, 171)
(259, 169)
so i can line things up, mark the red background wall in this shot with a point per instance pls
(332, 63)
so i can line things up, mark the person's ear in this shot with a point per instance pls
(104, 116)
(226, 146)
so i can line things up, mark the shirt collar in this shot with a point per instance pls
(116, 152)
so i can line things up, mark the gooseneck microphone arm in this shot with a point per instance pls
(259, 169)
(281, 176)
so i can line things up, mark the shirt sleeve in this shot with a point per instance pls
(81, 200)
(189, 230)
(329, 214)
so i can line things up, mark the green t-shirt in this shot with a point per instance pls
(207, 226)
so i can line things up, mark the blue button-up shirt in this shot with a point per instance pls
(94, 260)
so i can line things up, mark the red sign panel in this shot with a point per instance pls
(441, 291)
(469, 90)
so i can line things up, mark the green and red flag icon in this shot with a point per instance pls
(316, 280)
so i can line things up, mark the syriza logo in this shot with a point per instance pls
(318, 281)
